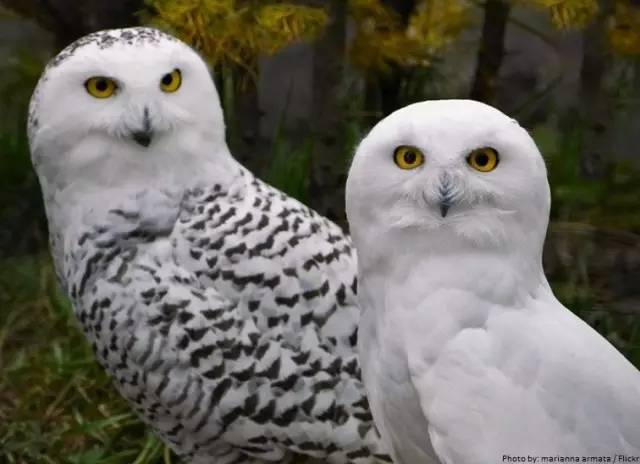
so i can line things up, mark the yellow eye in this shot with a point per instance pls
(483, 159)
(101, 87)
(407, 157)
(171, 82)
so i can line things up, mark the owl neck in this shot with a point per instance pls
(107, 167)
(102, 160)
(119, 176)
(410, 270)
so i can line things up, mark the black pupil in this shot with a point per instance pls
(167, 79)
(101, 85)
(482, 159)
(410, 157)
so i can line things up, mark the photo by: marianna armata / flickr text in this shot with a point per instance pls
(613, 459)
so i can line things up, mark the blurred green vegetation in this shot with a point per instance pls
(21, 208)
(605, 202)
(56, 403)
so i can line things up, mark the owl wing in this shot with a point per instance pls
(234, 335)
(198, 368)
(538, 381)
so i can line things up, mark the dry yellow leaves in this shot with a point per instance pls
(382, 39)
(569, 14)
(624, 29)
(235, 32)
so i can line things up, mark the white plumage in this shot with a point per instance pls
(223, 309)
(467, 356)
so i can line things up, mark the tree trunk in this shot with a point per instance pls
(491, 51)
(595, 106)
(244, 133)
(329, 160)
(388, 86)
(403, 7)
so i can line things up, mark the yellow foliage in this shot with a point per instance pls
(237, 32)
(568, 14)
(437, 23)
(367, 10)
(382, 39)
(624, 29)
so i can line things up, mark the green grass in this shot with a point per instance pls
(56, 404)
(289, 169)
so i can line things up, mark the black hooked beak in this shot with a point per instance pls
(446, 194)
(143, 137)
(444, 208)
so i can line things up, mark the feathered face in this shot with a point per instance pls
(450, 170)
(120, 99)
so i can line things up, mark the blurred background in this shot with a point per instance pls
(301, 82)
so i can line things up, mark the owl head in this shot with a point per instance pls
(445, 175)
(121, 103)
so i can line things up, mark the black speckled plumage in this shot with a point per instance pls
(223, 310)
(218, 331)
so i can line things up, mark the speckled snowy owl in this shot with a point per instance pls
(223, 310)
(467, 356)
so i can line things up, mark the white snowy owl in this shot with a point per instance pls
(467, 356)
(223, 310)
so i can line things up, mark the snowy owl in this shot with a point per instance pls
(467, 356)
(223, 310)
